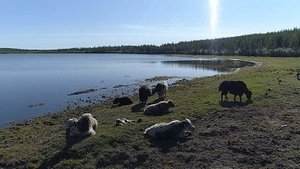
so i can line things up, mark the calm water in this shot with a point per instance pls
(35, 84)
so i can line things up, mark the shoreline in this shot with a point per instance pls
(226, 135)
(131, 94)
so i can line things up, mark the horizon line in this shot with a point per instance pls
(158, 45)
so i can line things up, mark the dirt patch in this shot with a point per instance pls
(240, 138)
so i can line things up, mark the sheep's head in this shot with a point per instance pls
(147, 90)
(153, 91)
(71, 129)
(248, 94)
(116, 101)
(84, 122)
(171, 103)
(72, 122)
(188, 124)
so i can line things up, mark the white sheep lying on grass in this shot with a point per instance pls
(159, 108)
(84, 126)
(174, 129)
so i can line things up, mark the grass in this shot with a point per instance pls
(264, 134)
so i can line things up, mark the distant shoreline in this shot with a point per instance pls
(275, 44)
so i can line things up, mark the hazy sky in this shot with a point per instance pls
(46, 24)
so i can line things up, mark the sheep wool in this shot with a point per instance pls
(159, 108)
(173, 129)
(84, 126)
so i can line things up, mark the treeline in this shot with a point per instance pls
(282, 43)
(12, 50)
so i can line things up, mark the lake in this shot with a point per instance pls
(35, 84)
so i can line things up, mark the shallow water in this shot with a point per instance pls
(35, 84)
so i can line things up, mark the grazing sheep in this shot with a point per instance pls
(161, 89)
(84, 126)
(121, 101)
(174, 129)
(235, 88)
(159, 108)
(144, 93)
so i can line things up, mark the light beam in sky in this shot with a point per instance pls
(213, 5)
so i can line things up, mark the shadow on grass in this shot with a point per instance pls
(138, 107)
(155, 101)
(64, 153)
(114, 106)
(122, 159)
(119, 105)
(112, 159)
(161, 113)
(165, 144)
(230, 104)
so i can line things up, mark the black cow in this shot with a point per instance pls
(123, 101)
(235, 88)
(144, 93)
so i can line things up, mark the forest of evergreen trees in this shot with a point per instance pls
(282, 43)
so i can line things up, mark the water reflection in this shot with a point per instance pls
(35, 84)
(219, 65)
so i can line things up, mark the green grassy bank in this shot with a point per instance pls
(263, 134)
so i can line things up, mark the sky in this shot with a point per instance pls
(51, 24)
